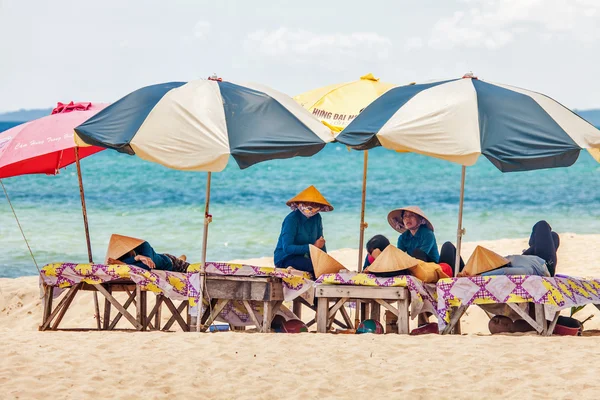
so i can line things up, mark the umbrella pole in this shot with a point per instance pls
(363, 226)
(207, 220)
(87, 231)
(460, 231)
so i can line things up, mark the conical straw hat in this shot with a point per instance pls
(323, 263)
(484, 260)
(395, 218)
(120, 245)
(392, 259)
(310, 195)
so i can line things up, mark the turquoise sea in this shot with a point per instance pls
(129, 196)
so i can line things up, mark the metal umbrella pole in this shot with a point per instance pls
(460, 231)
(87, 232)
(207, 220)
(363, 226)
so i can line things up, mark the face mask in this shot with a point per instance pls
(308, 210)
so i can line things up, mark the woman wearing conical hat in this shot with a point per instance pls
(416, 233)
(301, 227)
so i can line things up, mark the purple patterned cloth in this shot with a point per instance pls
(555, 293)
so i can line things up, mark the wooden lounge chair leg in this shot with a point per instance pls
(346, 317)
(333, 310)
(267, 316)
(322, 314)
(540, 318)
(252, 313)
(113, 324)
(141, 306)
(537, 326)
(158, 316)
(48, 293)
(56, 310)
(65, 307)
(188, 316)
(176, 315)
(456, 314)
(221, 303)
(106, 321)
(552, 325)
(297, 308)
(118, 306)
(403, 325)
(376, 311)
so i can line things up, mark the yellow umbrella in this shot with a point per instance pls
(338, 104)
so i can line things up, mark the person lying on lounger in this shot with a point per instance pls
(138, 252)
(301, 227)
(539, 259)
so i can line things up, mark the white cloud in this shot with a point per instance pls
(413, 43)
(201, 29)
(306, 46)
(494, 24)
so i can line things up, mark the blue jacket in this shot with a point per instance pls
(423, 239)
(297, 232)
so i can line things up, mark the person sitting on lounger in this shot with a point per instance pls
(301, 227)
(416, 233)
(138, 252)
(539, 259)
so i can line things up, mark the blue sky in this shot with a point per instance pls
(101, 50)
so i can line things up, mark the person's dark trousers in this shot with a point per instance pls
(298, 262)
(448, 256)
(421, 255)
(544, 243)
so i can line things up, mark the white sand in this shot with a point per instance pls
(248, 365)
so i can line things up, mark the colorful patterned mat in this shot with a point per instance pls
(180, 286)
(554, 293)
(174, 285)
(423, 295)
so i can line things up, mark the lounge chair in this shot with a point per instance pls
(549, 296)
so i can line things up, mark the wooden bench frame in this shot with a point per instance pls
(222, 289)
(539, 323)
(377, 296)
(51, 318)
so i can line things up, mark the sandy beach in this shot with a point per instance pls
(250, 365)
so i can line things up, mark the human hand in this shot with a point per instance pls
(146, 260)
(320, 242)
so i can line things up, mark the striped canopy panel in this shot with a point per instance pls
(197, 125)
(457, 120)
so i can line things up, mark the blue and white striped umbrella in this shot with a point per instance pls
(459, 119)
(197, 125)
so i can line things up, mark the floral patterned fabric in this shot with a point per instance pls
(174, 285)
(555, 293)
(181, 286)
(423, 296)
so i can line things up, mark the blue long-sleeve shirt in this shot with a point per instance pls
(161, 261)
(423, 239)
(297, 232)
